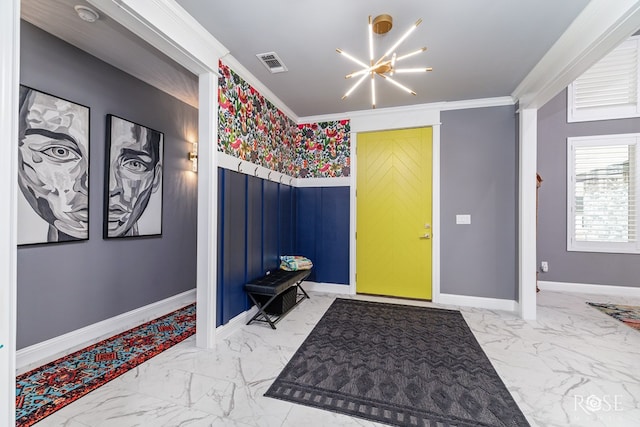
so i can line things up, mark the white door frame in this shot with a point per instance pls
(390, 119)
(9, 83)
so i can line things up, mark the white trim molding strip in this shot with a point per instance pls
(235, 164)
(39, 354)
(235, 324)
(479, 302)
(327, 288)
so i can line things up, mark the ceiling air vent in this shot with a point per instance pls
(272, 62)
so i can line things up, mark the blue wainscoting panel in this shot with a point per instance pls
(332, 244)
(254, 228)
(307, 217)
(234, 245)
(287, 228)
(270, 223)
(259, 220)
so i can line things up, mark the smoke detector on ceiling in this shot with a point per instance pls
(86, 13)
(272, 61)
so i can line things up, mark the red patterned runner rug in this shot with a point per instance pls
(44, 390)
(627, 314)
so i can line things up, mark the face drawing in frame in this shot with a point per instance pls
(53, 167)
(134, 173)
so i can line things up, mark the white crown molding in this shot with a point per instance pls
(602, 25)
(169, 28)
(49, 350)
(499, 101)
(440, 106)
(324, 118)
(586, 288)
(247, 76)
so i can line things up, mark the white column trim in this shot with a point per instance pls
(435, 215)
(527, 213)
(353, 212)
(9, 83)
(207, 244)
(602, 25)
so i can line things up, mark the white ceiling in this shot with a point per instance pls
(477, 48)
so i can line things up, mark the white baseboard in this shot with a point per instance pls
(228, 329)
(44, 352)
(587, 288)
(327, 288)
(233, 325)
(478, 302)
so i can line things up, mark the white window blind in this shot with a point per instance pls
(603, 193)
(609, 89)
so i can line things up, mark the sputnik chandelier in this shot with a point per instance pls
(385, 67)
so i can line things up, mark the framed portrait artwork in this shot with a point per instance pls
(133, 180)
(53, 169)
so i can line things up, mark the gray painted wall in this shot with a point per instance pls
(66, 286)
(478, 177)
(564, 266)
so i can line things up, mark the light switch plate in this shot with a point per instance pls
(463, 219)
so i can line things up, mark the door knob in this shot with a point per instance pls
(425, 236)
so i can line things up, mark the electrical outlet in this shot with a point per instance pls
(544, 266)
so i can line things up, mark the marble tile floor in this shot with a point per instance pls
(574, 366)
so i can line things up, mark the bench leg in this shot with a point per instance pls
(261, 311)
(303, 291)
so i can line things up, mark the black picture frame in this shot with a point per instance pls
(53, 168)
(133, 180)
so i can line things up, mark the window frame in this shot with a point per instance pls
(599, 140)
(607, 112)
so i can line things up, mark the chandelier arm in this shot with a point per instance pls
(370, 40)
(404, 36)
(357, 73)
(390, 80)
(355, 85)
(413, 70)
(373, 90)
(357, 61)
(410, 54)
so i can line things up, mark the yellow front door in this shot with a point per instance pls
(393, 239)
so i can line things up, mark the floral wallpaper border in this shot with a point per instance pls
(251, 128)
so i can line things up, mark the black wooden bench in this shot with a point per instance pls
(266, 290)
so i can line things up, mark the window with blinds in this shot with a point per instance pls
(603, 192)
(609, 89)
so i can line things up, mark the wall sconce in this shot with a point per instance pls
(193, 157)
